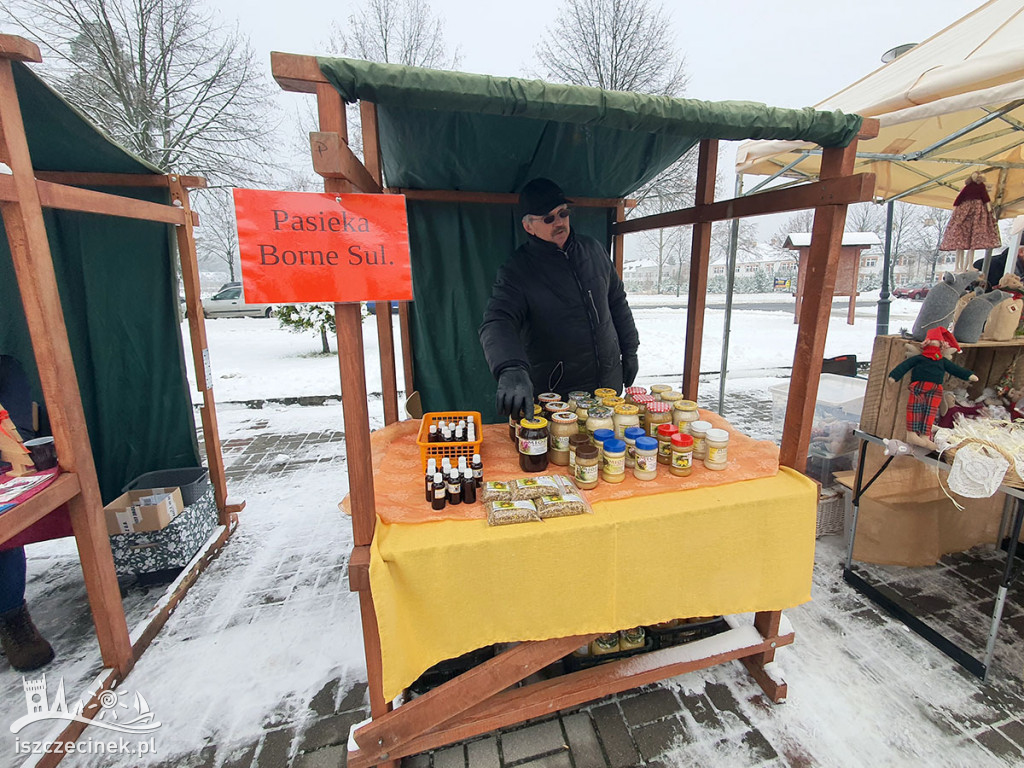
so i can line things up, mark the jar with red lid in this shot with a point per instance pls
(665, 433)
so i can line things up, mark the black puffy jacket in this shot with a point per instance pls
(561, 314)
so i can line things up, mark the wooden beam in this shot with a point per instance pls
(385, 331)
(359, 569)
(67, 198)
(501, 198)
(333, 159)
(405, 326)
(381, 739)
(37, 283)
(619, 241)
(16, 48)
(58, 492)
(76, 179)
(815, 311)
(869, 128)
(108, 680)
(849, 189)
(200, 350)
(296, 72)
(700, 255)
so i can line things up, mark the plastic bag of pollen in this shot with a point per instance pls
(508, 512)
(568, 501)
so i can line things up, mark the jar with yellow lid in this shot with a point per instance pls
(671, 397)
(533, 444)
(665, 432)
(587, 469)
(613, 461)
(611, 402)
(658, 413)
(602, 392)
(599, 417)
(682, 455)
(646, 466)
(657, 389)
(513, 423)
(717, 454)
(699, 430)
(556, 406)
(562, 426)
(684, 412)
(625, 416)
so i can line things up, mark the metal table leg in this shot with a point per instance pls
(1009, 575)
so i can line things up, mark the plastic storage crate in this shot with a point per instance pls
(429, 450)
(836, 414)
(192, 481)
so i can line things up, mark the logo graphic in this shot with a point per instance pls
(114, 713)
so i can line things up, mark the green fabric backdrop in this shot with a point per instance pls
(119, 295)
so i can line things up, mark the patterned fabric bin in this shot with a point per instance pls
(170, 547)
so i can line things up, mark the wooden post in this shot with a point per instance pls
(33, 265)
(186, 238)
(815, 309)
(619, 241)
(348, 322)
(700, 255)
(385, 332)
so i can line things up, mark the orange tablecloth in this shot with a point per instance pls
(398, 475)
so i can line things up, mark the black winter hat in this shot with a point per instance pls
(540, 196)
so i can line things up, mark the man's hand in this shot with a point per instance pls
(630, 366)
(515, 392)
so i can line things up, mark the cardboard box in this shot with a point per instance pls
(148, 509)
(837, 411)
(170, 548)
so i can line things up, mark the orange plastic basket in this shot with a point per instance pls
(438, 451)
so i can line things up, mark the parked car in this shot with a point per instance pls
(913, 291)
(371, 307)
(229, 302)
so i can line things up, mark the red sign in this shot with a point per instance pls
(298, 247)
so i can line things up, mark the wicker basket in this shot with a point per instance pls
(1011, 478)
(831, 513)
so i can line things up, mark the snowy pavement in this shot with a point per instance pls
(262, 663)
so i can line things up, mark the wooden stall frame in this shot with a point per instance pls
(23, 195)
(484, 698)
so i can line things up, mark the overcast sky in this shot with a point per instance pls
(792, 53)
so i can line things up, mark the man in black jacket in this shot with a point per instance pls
(558, 319)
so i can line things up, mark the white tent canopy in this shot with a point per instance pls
(952, 105)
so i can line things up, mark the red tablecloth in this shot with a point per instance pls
(55, 525)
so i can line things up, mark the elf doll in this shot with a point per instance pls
(929, 368)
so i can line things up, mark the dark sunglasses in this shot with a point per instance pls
(550, 218)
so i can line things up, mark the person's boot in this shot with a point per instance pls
(23, 646)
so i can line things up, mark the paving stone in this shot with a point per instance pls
(999, 744)
(276, 748)
(327, 731)
(724, 701)
(451, 757)
(328, 757)
(649, 706)
(355, 698)
(759, 746)
(703, 712)
(1014, 731)
(483, 753)
(417, 761)
(534, 739)
(586, 747)
(654, 738)
(618, 745)
(557, 760)
(239, 756)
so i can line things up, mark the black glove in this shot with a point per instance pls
(630, 366)
(515, 392)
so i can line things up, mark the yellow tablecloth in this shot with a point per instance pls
(444, 588)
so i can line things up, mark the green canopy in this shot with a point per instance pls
(118, 291)
(458, 131)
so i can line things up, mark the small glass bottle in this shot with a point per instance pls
(665, 432)
(454, 488)
(587, 468)
(657, 389)
(562, 426)
(433, 436)
(533, 444)
(599, 417)
(429, 478)
(646, 466)
(468, 487)
(575, 441)
(682, 455)
(699, 430)
(613, 461)
(602, 392)
(440, 492)
(717, 454)
(625, 416)
(478, 470)
(683, 413)
(657, 414)
(629, 437)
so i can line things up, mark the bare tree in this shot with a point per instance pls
(801, 221)
(618, 45)
(396, 32)
(866, 217)
(162, 77)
